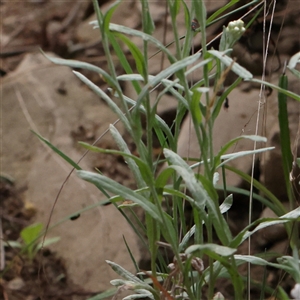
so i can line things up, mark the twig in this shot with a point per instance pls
(14, 34)
(19, 50)
(262, 99)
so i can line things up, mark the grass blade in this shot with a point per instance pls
(285, 143)
(118, 189)
(56, 150)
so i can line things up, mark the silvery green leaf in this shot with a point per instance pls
(226, 205)
(118, 189)
(221, 250)
(124, 148)
(294, 60)
(277, 88)
(228, 61)
(142, 294)
(123, 272)
(288, 217)
(228, 157)
(118, 282)
(216, 178)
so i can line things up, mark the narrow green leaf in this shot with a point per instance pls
(65, 157)
(221, 250)
(48, 242)
(108, 15)
(261, 262)
(144, 170)
(159, 122)
(142, 294)
(228, 157)
(199, 194)
(277, 88)
(118, 189)
(285, 143)
(167, 82)
(13, 244)
(189, 33)
(135, 51)
(113, 106)
(298, 161)
(221, 10)
(123, 272)
(123, 60)
(293, 264)
(148, 24)
(142, 35)
(236, 10)
(187, 238)
(293, 215)
(163, 177)
(224, 207)
(135, 263)
(176, 66)
(83, 65)
(195, 106)
(219, 105)
(56, 150)
(183, 169)
(130, 161)
(240, 191)
(200, 11)
(105, 295)
(277, 206)
(220, 156)
(176, 7)
(228, 61)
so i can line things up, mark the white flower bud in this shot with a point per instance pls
(231, 34)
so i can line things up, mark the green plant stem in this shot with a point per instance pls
(287, 158)
(173, 13)
(153, 228)
(285, 143)
(211, 285)
(105, 42)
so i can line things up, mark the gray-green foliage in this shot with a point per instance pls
(177, 182)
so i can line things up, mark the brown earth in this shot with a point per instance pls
(37, 95)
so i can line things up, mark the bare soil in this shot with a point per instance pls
(46, 277)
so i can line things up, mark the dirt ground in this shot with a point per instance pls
(45, 277)
(60, 27)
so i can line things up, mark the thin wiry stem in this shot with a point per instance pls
(261, 101)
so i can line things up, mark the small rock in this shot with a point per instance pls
(16, 284)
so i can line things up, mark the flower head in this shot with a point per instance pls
(231, 34)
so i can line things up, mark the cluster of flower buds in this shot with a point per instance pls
(231, 34)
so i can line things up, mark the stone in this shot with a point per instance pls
(50, 100)
(16, 284)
